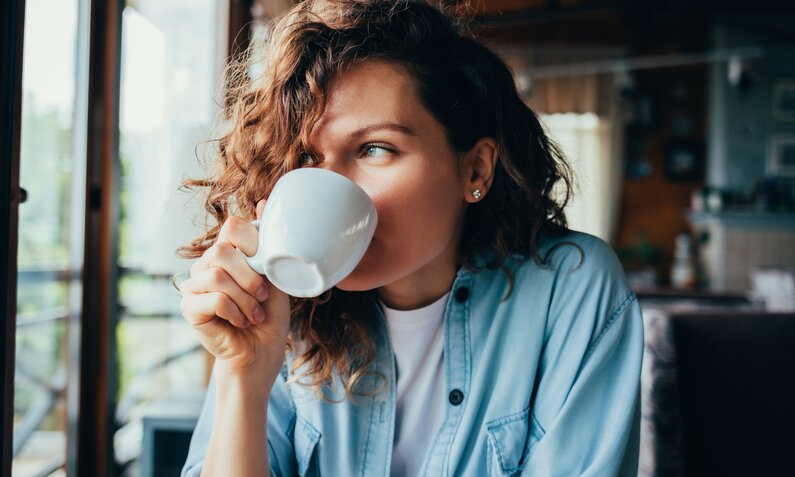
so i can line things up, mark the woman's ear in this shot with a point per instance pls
(479, 164)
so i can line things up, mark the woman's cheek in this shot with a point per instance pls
(385, 209)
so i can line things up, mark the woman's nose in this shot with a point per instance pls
(345, 168)
(336, 164)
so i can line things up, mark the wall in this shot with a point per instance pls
(654, 206)
(740, 117)
(734, 152)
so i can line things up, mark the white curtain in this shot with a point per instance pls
(581, 113)
(593, 146)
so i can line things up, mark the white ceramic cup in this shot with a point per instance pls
(315, 229)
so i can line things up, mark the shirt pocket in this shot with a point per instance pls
(510, 439)
(306, 440)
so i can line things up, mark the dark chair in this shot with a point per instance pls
(665, 297)
(736, 374)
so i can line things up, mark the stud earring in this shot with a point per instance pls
(477, 194)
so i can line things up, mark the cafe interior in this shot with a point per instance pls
(677, 117)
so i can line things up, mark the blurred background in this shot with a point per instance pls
(678, 117)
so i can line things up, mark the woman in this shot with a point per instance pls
(478, 336)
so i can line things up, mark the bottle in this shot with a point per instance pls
(683, 271)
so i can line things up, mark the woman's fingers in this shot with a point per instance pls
(224, 255)
(241, 234)
(217, 279)
(204, 309)
(235, 233)
(222, 283)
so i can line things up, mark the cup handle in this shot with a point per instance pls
(255, 261)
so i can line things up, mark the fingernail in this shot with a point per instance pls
(259, 314)
(262, 293)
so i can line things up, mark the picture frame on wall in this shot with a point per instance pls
(784, 100)
(781, 155)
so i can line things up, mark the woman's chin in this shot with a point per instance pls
(362, 278)
(353, 283)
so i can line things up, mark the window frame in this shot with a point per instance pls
(90, 444)
(12, 14)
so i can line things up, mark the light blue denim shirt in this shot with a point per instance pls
(543, 383)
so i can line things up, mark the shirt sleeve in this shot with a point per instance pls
(281, 421)
(586, 410)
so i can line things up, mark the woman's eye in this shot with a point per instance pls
(306, 160)
(376, 151)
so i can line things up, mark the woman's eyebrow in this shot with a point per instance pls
(385, 125)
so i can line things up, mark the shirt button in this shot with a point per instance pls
(462, 294)
(456, 397)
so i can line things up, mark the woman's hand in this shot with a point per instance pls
(241, 318)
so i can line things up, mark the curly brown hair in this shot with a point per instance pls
(465, 86)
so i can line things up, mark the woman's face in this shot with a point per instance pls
(376, 131)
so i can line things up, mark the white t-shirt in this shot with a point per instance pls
(418, 341)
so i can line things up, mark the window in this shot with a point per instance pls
(171, 59)
(50, 243)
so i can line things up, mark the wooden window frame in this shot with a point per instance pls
(91, 451)
(12, 14)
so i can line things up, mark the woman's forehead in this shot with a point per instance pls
(371, 93)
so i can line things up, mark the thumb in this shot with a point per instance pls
(260, 208)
